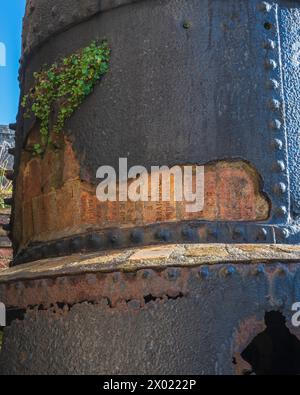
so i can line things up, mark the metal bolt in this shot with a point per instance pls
(212, 234)
(274, 104)
(282, 271)
(146, 274)
(204, 272)
(173, 273)
(260, 269)
(264, 6)
(189, 234)
(237, 233)
(114, 238)
(279, 188)
(76, 244)
(281, 211)
(93, 242)
(275, 124)
(272, 84)
(116, 277)
(137, 236)
(91, 279)
(283, 233)
(277, 144)
(262, 234)
(270, 64)
(164, 235)
(269, 44)
(230, 270)
(278, 166)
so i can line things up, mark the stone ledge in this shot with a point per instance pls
(181, 255)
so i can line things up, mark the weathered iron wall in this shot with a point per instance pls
(190, 82)
(194, 82)
(201, 327)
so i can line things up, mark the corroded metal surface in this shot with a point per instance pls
(231, 101)
(135, 274)
(148, 322)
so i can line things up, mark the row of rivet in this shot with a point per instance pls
(274, 105)
(127, 238)
(170, 274)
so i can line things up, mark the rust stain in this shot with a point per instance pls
(51, 201)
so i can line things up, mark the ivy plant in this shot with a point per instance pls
(58, 90)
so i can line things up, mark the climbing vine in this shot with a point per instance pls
(59, 90)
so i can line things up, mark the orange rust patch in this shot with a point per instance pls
(52, 201)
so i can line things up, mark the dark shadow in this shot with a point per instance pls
(275, 351)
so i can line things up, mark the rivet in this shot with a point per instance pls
(59, 248)
(272, 84)
(204, 272)
(116, 277)
(264, 7)
(260, 269)
(189, 234)
(115, 239)
(277, 144)
(275, 124)
(173, 273)
(91, 279)
(137, 236)
(274, 104)
(230, 270)
(269, 44)
(211, 234)
(62, 281)
(146, 274)
(93, 242)
(270, 64)
(262, 234)
(76, 244)
(279, 188)
(282, 271)
(278, 166)
(281, 211)
(237, 233)
(164, 235)
(282, 233)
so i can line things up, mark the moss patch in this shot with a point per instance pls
(60, 89)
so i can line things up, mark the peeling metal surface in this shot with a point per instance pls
(203, 316)
(249, 73)
(133, 274)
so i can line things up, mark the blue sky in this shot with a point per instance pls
(11, 14)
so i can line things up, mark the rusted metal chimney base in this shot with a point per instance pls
(176, 309)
